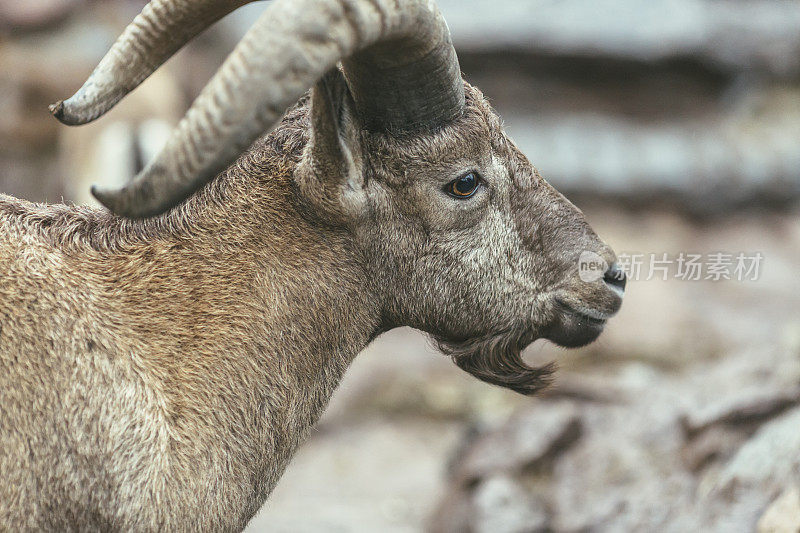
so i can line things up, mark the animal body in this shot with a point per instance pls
(161, 361)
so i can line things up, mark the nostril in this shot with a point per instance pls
(615, 276)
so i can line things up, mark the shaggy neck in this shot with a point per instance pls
(263, 312)
(211, 337)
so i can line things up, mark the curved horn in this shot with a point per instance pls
(398, 60)
(159, 31)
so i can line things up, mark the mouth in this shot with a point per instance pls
(574, 325)
(497, 359)
(587, 313)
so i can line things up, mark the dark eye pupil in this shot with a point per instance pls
(465, 185)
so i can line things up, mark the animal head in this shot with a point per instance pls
(459, 234)
(472, 245)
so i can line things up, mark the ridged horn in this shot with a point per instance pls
(397, 57)
(160, 30)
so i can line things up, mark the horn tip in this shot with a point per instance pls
(61, 111)
(57, 109)
(104, 195)
(127, 202)
(112, 199)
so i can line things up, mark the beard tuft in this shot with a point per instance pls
(497, 360)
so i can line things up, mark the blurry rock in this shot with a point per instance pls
(716, 443)
(769, 461)
(453, 513)
(745, 407)
(497, 504)
(582, 388)
(715, 430)
(37, 69)
(623, 470)
(737, 494)
(531, 438)
(484, 494)
(27, 15)
(25, 92)
(783, 515)
(708, 166)
(501, 505)
(746, 34)
(28, 156)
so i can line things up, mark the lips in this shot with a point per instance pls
(600, 312)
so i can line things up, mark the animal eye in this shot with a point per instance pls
(463, 187)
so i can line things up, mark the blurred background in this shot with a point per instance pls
(675, 126)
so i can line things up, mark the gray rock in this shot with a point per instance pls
(769, 461)
(34, 14)
(501, 505)
(736, 35)
(783, 515)
(708, 166)
(528, 440)
(744, 407)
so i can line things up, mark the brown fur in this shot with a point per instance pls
(159, 374)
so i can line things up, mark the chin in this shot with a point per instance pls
(574, 330)
(575, 325)
(496, 358)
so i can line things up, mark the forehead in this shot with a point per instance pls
(474, 137)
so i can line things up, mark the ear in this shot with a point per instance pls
(330, 174)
